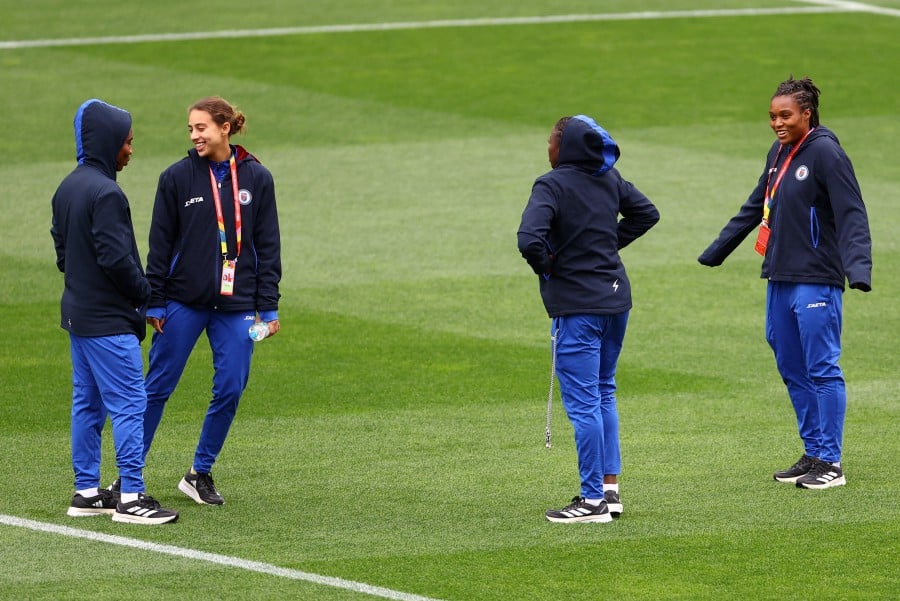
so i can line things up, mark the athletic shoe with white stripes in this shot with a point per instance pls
(580, 510)
(100, 504)
(803, 465)
(822, 475)
(200, 488)
(614, 502)
(146, 510)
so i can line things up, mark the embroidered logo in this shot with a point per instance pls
(801, 173)
(244, 197)
(194, 200)
(815, 305)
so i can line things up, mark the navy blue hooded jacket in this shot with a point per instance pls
(185, 259)
(105, 288)
(819, 227)
(571, 233)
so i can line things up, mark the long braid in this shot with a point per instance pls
(805, 92)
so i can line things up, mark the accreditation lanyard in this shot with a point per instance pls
(770, 192)
(228, 266)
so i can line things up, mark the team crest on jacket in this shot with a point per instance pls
(244, 196)
(801, 173)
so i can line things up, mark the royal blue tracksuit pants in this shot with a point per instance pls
(803, 327)
(587, 351)
(232, 351)
(107, 379)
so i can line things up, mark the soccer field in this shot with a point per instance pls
(390, 443)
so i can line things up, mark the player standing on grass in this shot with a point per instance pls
(103, 307)
(571, 236)
(814, 234)
(214, 264)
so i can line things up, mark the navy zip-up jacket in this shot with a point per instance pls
(105, 288)
(819, 228)
(571, 233)
(185, 259)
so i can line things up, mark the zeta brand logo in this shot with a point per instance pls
(815, 305)
(193, 201)
(616, 285)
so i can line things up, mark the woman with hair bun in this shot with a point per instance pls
(814, 237)
(215, 265)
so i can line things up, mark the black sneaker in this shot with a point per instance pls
(822, 475)
(100, 504)
(580, 510)
(200, 488)
(146, 510)
(803, 465)
(614, 502)
(116, 489)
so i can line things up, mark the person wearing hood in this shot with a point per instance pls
(813, 236)
(215, 265)
(102, 308)
(571, 234)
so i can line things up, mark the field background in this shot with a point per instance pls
(392, 434)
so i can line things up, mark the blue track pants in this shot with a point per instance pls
(587, 351)
(803, 327)
(107, 379)
(232, 351)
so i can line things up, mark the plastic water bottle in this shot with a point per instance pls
(258, 331)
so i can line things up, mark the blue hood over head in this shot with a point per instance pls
(100, 131)
(587, 145)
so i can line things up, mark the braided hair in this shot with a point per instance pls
(560, 125)
(805, 92)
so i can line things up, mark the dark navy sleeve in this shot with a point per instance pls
(638, 214)
(267, 241)
(850, 218)
(534, 230)
(163, 232)
(113, 237)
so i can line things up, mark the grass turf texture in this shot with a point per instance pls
(393, 433)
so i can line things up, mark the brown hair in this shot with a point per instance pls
(222, 112)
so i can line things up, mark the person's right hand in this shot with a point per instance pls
(156, 324)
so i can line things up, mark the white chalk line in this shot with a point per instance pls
(821, 6)
(224, 560)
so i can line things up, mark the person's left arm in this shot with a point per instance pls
(638, 214)
(267, 242)
(850, 219)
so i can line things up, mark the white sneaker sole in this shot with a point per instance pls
(185, 487)
(127, 518)
(78, 512)
(842, 481)
(604, 519)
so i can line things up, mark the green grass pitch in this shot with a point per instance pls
(392, 433)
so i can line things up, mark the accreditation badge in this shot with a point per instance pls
(762, 239)
(228, 267)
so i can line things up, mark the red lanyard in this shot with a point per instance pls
(237, 207)
(770, 192)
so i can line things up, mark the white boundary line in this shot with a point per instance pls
(821, 7)
(224, 560)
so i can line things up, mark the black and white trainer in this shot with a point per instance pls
(580, 510)
(200, 488)
(822, 475)
(803, 465)
(146, 510)
(614, 502)
(102, 503)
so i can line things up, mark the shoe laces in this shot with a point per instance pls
(577, 501)
(820, 468)
(205, 482)
(148, 502)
